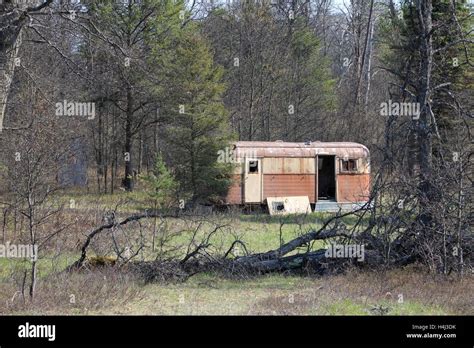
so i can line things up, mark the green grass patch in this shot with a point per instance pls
(45, 266)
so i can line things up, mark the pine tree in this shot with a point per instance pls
(161, 182)
(196, 119)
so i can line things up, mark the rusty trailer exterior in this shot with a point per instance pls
(337, 172)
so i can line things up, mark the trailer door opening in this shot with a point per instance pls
(326, 178)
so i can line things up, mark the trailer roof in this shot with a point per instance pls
(308, 149)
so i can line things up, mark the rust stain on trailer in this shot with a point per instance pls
(289, 185)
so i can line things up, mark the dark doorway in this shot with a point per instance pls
(326, 178)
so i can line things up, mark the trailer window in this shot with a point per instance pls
(349, 165)
(253, 167)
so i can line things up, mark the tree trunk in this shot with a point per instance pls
(424, 9)
(13, 15)
(10, 42)
(369, 63)
(128, 177)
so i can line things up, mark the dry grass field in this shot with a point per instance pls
(109, 290)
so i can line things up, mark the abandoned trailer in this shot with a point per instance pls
(328, 175)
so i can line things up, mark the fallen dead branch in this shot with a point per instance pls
(79, 263)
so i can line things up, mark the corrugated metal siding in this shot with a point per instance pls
(234, 195)
(277, 185)
(353, 187)
(280, 165)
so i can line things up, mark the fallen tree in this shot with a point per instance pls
(109, 225)
(296, 255)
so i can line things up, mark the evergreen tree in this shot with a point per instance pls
(162, 184)
(196, 119)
